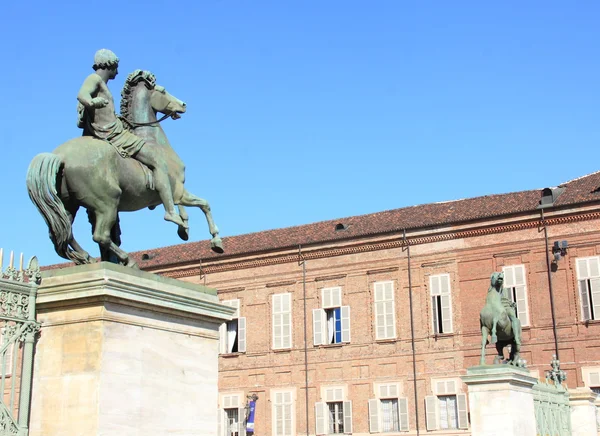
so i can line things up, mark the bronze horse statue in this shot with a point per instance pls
(495, 321)
(89, 172)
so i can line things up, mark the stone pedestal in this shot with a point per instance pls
(583, 412)
(124, 352)
(501, 400)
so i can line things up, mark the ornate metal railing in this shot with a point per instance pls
(18, 327)
(551, 403)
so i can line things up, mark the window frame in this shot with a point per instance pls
(388, 306)
(331, 303)
(240, 331)
(510, 273)
(441, 325)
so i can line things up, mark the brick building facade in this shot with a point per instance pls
(339, 322)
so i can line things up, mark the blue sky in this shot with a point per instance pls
(302, 111)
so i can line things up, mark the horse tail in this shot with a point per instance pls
(42, 177)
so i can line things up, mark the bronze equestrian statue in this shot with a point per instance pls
(121, 163)
(498, 319)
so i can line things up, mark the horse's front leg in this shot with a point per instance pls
(188, 199)
(484, 338)
(494, 338)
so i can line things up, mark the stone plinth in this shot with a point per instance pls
(125, 352)
(501, 401)
(583, 412)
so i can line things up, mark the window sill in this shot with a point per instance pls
(229, 355)
(590, 321)
(338, 345)
(386, 341)
(281, 350)
(442, 335)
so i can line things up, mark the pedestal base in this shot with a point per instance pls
(125, 352)
(501, 401)
(583, 412)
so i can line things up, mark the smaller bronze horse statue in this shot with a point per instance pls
(497, 319)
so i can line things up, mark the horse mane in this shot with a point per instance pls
(130, 83)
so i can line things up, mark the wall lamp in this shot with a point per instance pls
(559, 250)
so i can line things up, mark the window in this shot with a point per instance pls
(588, 276)
(334, 416)
(232, 334)
(591, 378)
(447, 409)
(385, 319)
(441, 303)
(282, 413)
(516, 285)
(282, 321)
(232, 414)
(388, 413)
(331, 323)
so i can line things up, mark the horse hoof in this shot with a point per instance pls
(183, 232)
(216, 245)
(494, 339)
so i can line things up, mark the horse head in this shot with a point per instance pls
(497, 281)
(142, 99)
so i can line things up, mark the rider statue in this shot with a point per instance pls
(509, 306)
(97, 117)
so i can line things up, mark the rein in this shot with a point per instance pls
(151, 123)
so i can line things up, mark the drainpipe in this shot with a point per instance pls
(550, 287)
(302, 261)
(412, 330)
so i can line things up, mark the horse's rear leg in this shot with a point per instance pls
(105, 222)
(188, 199)
(80, 254)
(183, 231)
(484, 339)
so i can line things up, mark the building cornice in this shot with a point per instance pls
(391, 241)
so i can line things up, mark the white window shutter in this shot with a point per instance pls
(446, 313)
(434, 285)
(390, 319)
(282, 321)
(403, 413)
(242, 335)
(318, 326)
(582, 269)
(431, 412)
(277, 321)
(336, 297)
(347, 416)
(223, 338)
(463, 415)
(595, 288)
(242, 421)
(287, 321)
(374, 416)
(594, 379)
(326, 300)
(586, 314)
(321, 418)
(220, 421)
(522, 312)
(345, 311)
(594, 265)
